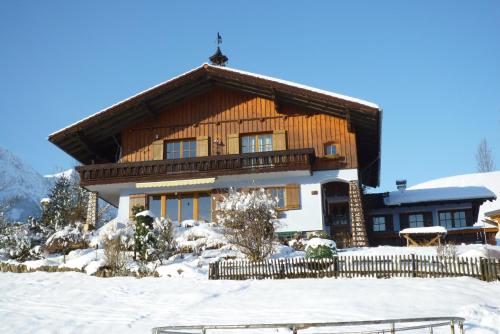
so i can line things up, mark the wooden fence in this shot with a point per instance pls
(485, 269)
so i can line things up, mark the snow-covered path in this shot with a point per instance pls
(78, 303)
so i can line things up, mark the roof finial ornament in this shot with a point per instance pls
(218, 58)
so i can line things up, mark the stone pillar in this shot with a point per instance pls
(359, 237)
(92, 208)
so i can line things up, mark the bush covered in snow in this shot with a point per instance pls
(22, 241)
(66, 239)
(249, 220)
(318, 248)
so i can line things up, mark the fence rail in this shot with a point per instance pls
(391, 326)
(486, 269)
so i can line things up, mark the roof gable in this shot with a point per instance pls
(95, 137)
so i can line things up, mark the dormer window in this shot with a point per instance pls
(179, 149)
(330, 149)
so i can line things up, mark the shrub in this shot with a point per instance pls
(69, 238)
(115, 256)
(318, 248)
(22, 241)
(249, 221)
(164, 243)
(319, 234)
(143, 236)
(446, 250)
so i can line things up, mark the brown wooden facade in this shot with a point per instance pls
(216, 106)
(222, 113)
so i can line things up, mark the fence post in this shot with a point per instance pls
(413, 269)
(336, 266)
(484, 268)
(452, 325)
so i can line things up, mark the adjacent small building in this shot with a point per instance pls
(454, 208)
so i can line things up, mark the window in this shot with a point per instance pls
(279, 193)
(459, 219)
(154, 205)
(330, 149)
(445, 219)
(197, 206)
(416, 220)
(450, 219)
(378, 224)
(204, 208)
(180, 149)
(187, 207)
(257, 143)
(173, 209)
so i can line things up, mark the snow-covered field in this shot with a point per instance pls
(78, 303)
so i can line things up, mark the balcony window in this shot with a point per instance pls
(330, 149)
(257, 143)
(379, 224)
(180, 149)
(416, 220)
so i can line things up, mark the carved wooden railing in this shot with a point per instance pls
(260, 162)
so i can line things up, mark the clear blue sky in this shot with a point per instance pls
(433, 66)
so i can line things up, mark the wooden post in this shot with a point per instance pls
(413, 270)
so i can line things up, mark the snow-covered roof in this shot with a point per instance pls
(423, 230)
(489, 180)
(437, 194)
(305, 87)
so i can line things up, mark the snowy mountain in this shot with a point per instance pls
(489, 180)
(21, 187)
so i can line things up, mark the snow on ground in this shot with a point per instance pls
(77, 303)
(475, 250)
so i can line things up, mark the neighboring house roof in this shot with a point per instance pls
(94, 138)
(489, 180)
(444, 194)
(492, 213)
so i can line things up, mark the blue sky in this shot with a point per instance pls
(434, 67)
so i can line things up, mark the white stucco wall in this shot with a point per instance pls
(308, 218)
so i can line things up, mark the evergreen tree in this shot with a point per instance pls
(67, 204)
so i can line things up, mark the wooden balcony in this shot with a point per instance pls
(159, 170)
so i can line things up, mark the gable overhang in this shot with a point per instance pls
(96, 139)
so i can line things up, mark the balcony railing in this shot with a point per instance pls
(246, 163)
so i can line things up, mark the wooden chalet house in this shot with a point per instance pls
(175, 147)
